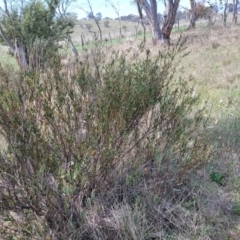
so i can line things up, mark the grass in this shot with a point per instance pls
(213, 62)
(110, 33)
(201, 208)
(5, 57)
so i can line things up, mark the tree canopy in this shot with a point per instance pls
(37, 27)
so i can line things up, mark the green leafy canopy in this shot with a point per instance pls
(37, 26)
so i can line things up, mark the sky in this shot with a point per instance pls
(125, 7)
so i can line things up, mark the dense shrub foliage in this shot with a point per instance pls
(120, 130)
(38, 26)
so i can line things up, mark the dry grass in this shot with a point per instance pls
(213, 63)
(113, 29)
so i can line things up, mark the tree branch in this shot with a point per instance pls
(88, 5)
(6, 40)
(6, 7)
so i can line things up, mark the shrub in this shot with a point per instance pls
(96, 134)
(106, 23)
(88, 26)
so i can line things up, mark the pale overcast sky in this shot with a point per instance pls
(125, 8)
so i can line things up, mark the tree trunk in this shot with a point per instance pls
(235, 11)
(150, 8)
(82, 41)
(192, 23)
(157, 35)
(225, 14)
(6, 40)
(142, 23)
(74, 49)
(169, 19)
(20, 55)
(17, 49)
(99, 28)
(144, 32)
(120, 32)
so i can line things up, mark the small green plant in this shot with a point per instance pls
(217, 178)
(106, 23)
(236, 208)
(88, 26)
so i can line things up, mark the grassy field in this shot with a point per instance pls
(210, 198)
(5, 57)
(213, 64)
(133, 31)
(112, 32)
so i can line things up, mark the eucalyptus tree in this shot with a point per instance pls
(192, 12)
(235, 11)
(225, 11)
(160, 34)
(141, 20)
